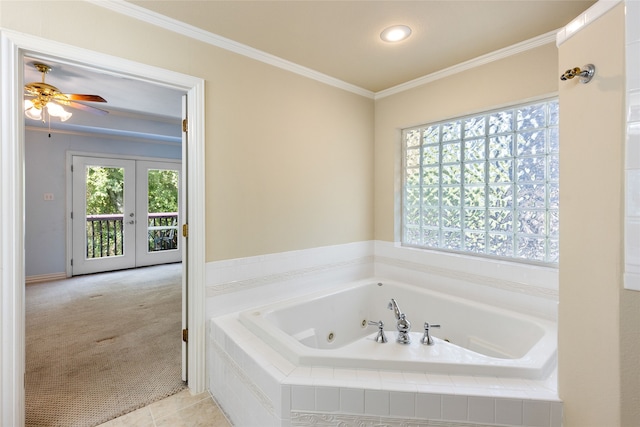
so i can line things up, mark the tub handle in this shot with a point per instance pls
(381, 338)
(426, 338)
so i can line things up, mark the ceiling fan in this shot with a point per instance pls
(40, 94)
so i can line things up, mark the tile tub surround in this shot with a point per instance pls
(632, 158)
(234, 285)
(257, 386)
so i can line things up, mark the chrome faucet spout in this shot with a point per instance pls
(403, 325)
(393, 305)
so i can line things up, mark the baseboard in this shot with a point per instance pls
(39, 278)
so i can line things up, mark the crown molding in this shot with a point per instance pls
(585, 19)
(153, 18)
(472, 63)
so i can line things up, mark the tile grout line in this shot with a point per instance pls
(222, 411)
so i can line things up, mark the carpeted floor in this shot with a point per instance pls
(99, 346)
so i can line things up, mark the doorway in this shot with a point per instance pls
(13, 48)
(125, 213)
(104, 187)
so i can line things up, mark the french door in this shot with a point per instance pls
(125, 214)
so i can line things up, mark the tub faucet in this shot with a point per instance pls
(426, 338)
(381, 338)
(403, 325)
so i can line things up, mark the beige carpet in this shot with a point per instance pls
(102, 345)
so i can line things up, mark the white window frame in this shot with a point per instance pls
(425, 196)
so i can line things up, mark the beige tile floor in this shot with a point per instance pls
(179, 410)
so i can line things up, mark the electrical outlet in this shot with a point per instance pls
(48, 196)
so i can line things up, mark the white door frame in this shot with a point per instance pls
(13, 46)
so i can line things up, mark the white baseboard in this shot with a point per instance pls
(39, 278)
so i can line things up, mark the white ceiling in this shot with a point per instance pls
(336, 38)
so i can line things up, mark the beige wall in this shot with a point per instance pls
(599, 373)
(511, 80)
(289, 160)
(292, 164)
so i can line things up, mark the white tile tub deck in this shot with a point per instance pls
(257, 386)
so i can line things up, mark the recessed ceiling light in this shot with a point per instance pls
(396, 33)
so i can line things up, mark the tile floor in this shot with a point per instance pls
(180, 410)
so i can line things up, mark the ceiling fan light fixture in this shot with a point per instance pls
(57, 110)
(31, 111)
(67, 115)
(34, 113)
(395, 33)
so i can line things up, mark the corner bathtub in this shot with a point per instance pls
(331, 329)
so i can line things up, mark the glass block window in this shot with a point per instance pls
(485, 184)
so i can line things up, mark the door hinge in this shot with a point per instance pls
(71, 262)
(185, 230)
(185, 335)
(185, 125)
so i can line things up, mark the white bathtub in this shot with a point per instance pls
(331, 329)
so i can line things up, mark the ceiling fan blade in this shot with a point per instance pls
(84, 107)
(79, 97)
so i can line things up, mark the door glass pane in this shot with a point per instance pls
(162, 222)
(104, 208)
